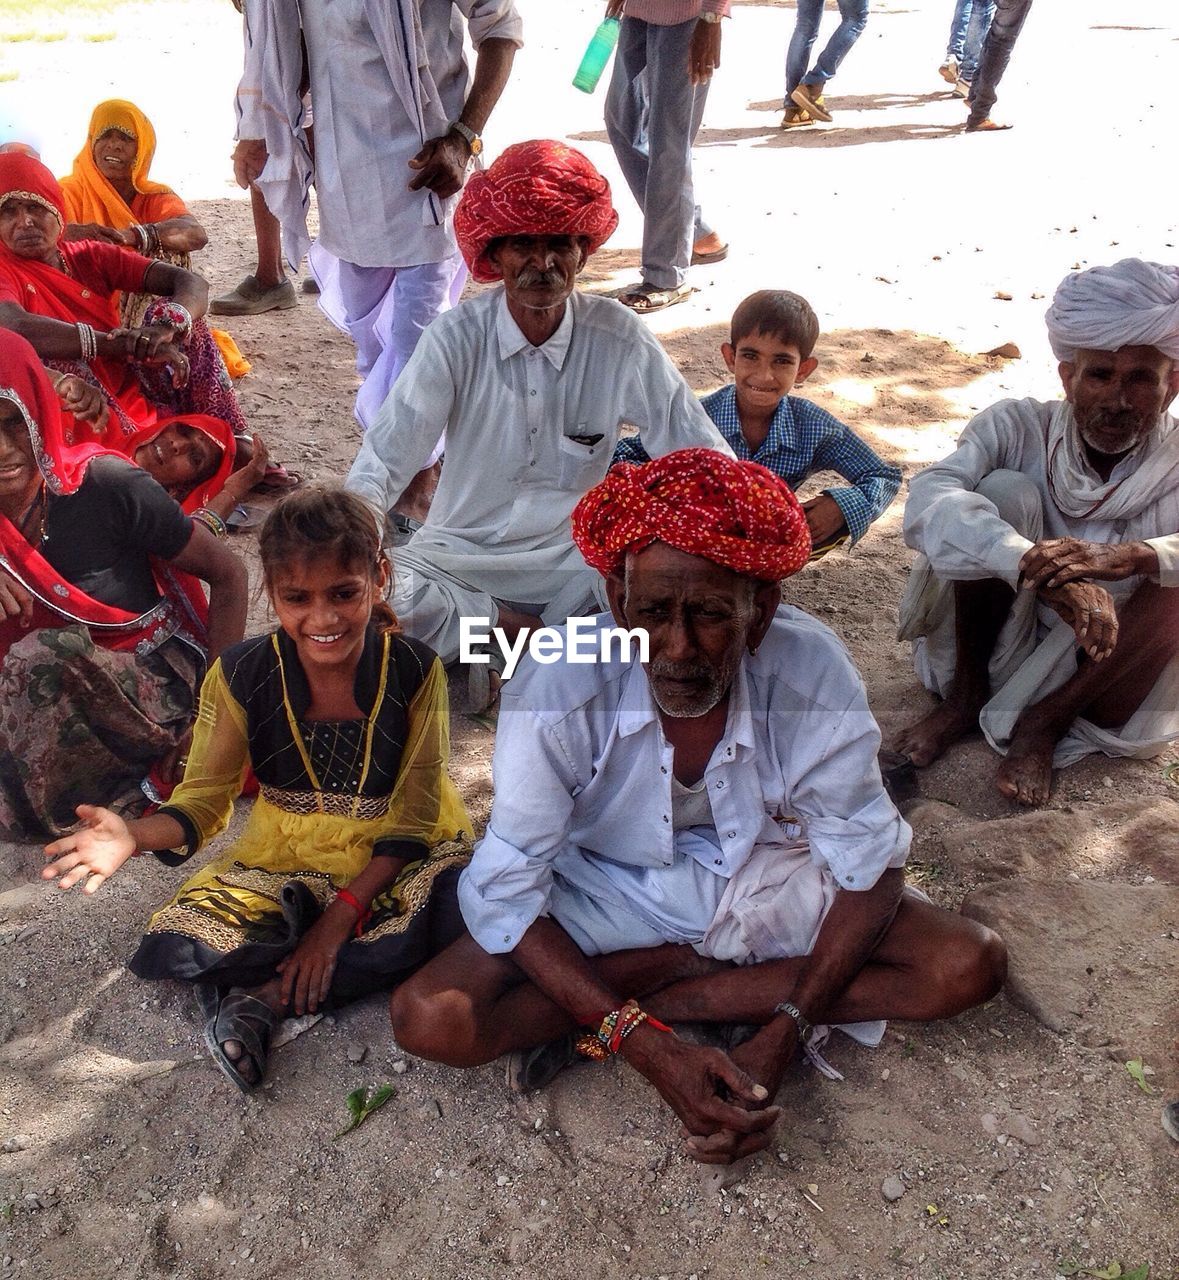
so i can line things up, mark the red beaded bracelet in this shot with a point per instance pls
(363, 914)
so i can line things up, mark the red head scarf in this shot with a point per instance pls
(26, 178)
(702, 502)
(537, 188)
(221, 434)
(23, 380)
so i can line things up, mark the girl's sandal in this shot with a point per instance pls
(249, 1021)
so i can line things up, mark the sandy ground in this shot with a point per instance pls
(1022, 1143)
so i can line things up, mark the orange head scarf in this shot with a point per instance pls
(89, 197)
(702, 502)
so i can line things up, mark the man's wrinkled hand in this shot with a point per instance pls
(441, 165)
(249, 159)
(1059, 560)
(1090, 611)
(704, 1087)
(704, 52)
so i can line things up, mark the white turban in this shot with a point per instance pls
(1131, 304)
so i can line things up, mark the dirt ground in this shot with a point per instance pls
(1022, 1144)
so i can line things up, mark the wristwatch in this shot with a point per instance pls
(709, 16)
(472, 139)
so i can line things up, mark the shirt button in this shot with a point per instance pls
(719, 785)
(662, 768)
(732, 835)
(851, 879)
(532, 393)
(718, 862)
(666, 818)
(534, 431)
(507, 937)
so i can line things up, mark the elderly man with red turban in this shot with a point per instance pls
(532, 383)
(698, 836)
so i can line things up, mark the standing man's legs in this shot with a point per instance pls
(653, 113)
(955, 45)
(798, 51)
(996, 54)
(268, 288)
(976, 33)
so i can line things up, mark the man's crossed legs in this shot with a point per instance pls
(466, 1008)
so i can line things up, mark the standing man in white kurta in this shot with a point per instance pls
(398, 119)
(1043, 608)
(532, 384)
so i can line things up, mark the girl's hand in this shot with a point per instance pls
(93, 853)
(308, 971)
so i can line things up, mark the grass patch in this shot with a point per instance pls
(99, 37)
(17, 37)
(51, 37)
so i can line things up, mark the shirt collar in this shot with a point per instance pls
(512, 341)
(637, 709)
(782, 433)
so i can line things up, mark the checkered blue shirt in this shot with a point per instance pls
(803, 439)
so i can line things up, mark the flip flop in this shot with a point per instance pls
(649, 297)
(987, 126)
(242, 519)
(277, 479)
(703, 259)
(251, 1022)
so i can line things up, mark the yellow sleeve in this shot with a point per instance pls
(217, 763)
(425, 805)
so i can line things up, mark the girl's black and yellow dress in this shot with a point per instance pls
(331, 795)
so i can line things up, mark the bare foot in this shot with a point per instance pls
(926, 740)
(1025, 776)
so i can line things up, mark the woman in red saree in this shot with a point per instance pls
(58, 296)
(101, 651)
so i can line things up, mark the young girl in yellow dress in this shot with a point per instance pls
(343, 880)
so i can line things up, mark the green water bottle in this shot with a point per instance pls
(597, 54)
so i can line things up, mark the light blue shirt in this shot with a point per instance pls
(582, 771)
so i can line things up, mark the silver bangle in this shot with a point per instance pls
(793, 1011)
(87, 342)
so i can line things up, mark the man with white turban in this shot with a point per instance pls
(1043, 607)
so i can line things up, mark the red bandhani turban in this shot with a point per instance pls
(24, 177)
(539, 188)
(737, 514)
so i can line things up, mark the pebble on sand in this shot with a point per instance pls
(892, 1188)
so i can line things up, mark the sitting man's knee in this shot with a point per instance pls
(1017, 500)
(436, 1025)
(973, 970)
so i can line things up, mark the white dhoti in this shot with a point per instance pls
(440, 577)
(771, 909)
(1036, 651)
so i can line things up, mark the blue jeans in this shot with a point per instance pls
(968, 30)
(996, 54)
(853, 16)
(653, 112)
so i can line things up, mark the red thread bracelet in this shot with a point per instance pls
(363, 914)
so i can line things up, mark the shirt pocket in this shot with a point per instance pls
(584, 457)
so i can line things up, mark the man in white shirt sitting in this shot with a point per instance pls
(706, 833)
(532, 384)
(1019, 528)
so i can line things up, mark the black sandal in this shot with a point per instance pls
(249, 1021)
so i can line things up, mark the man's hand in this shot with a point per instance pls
(1060, 560)
(824, 519)
(1090, 611)
(441, 165)
(308, 971)
(704, 52)
(93, 853)
(249, 159)
(84, 402)
(696, 1082)
(15, 601)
